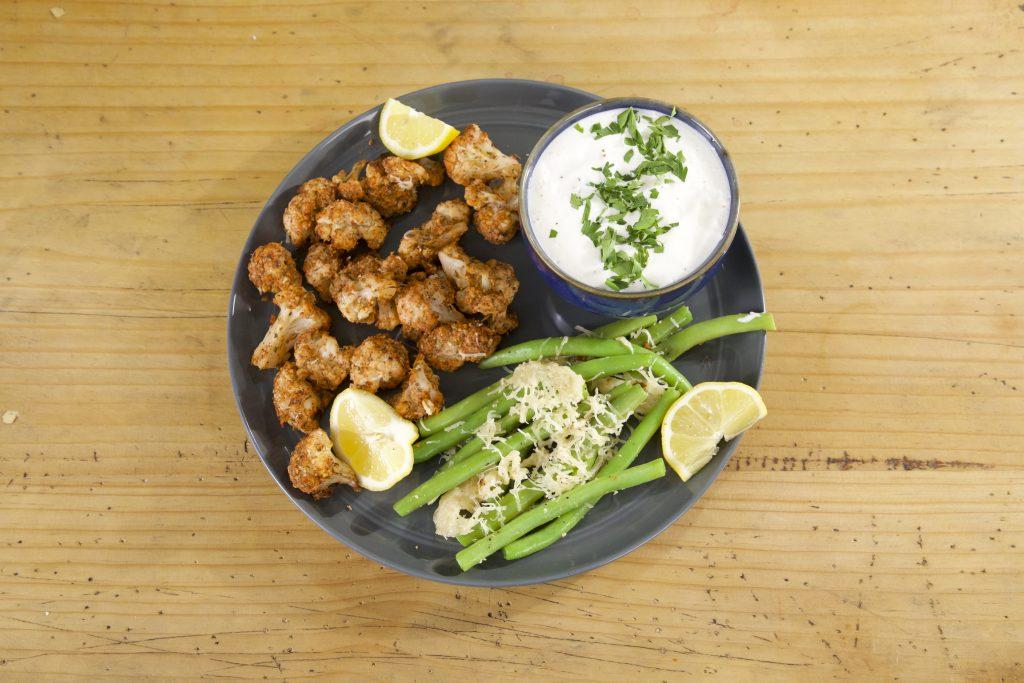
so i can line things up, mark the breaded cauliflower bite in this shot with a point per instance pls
(298, 313)
(272, 269)
(348, 185)
(314, 469)
(296, 401)
(300, 214)
(420, 395)
(321, 266)
(472, 156)
(342, 224)
(448, 346)
(321, 359)
(434, 169)
(364, 289)
(496, 205)
(424, 303)
(486, 288)
(379, 362)
(447, 224)
(391, 184)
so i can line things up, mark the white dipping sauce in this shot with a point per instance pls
(700, 204)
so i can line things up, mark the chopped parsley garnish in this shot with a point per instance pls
(627, 229)
(578, 127)
(553, 233)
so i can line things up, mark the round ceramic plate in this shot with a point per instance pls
(515, 114)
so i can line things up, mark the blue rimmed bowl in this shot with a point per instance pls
(626, 304)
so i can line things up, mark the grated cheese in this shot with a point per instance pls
(749, 316)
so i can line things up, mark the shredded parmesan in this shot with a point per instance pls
(625, 342)
(749, 316)
(643, 331)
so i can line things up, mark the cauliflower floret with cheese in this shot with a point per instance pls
(472, 156)
(364, 290)
(348, 185)
(296, 401)
(321, 359)
(272, 269)
(420, 394)
(496, 205)
(342, 224)
(379, 362)
(448, 346)
(297, 313)
(392, 184)
(321, 266)
(300, 214)
(314, 469)
(424, 303)
(486, 288)
(447, 224)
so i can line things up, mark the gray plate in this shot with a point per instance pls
(515, 113)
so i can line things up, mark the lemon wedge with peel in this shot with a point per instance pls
(701, 418)
(371, 437)
(411, 134)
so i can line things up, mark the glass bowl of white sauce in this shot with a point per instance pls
(628, 206)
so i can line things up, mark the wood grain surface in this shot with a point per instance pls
(872, 527)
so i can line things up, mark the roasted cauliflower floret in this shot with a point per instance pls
(365, 288)
(447, 224)
(472, 156)
(314, 469)
(296, 401)
(424, 303)
(321, 265)
(272, 269)
(434, 169)
(300, 214)
(379, 362)
(343, 223)
(448, 346)
(486, 288)
(391, 184)
(503, 323)
(348, 185)
(496, 215)
(420, 394)
(321, 359)
(298, 313)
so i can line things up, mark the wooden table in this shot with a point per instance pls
(871, 527)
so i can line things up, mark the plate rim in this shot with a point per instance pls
(475, 579)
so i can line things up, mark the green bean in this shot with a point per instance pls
(623, 328)
(613, 365)
(642, 434)
(585, 494)
(425, 449)
(457, 411)
(624, 402)
(670, 324)
(698, 333)
(446, 479)
(556, 346)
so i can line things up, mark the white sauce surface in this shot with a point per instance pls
(700, 204)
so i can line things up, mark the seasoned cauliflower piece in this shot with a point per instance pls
(434, 169)
(296, 401)
(299, 215)
(448, 346)
(298, 313)
(343, 223)
(365, 288)
(379, 362)
(472, 156)
(424, 303)
(321, 266)
(391, 184)
(486, 288)
(496, 215)
(348, 185)
(321, 359)
(272, 269)
(449, 222)
(503, 323)
(420, 395)
(314, 469)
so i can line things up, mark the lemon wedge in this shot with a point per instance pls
(411, 134)
(702, 417)
(370, 436)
